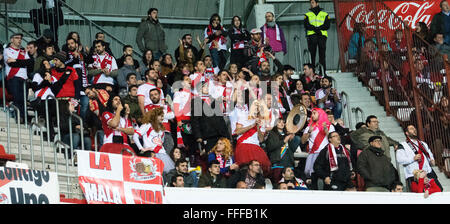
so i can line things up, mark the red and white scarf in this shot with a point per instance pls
(210, 32)
(239, 44)
(333, 158)
(102, 64)
(277, 30)
(180, 143)
(418, 149)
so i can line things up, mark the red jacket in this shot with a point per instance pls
(420, 187)
(68, 88)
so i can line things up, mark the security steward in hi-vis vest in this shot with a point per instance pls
(316, 24)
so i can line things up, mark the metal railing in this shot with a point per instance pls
(298, 54)
(47, 118)
(17, 110)
(71, 132)
(346, 111)
(307, 56)
(41, 130)
(406, 74)
(363, 116)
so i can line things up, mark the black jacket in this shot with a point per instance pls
(376, 168)
(210, 123)
(206, 180)
(274, 143)
(322, 166)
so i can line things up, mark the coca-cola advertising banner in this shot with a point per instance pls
(410, 12)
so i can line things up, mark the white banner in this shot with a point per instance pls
(25, 186)
(107, 178)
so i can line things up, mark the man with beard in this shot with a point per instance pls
(315, 134)
(144, 89)
(414, 154)
(273, 36)
(115, 122)
(75, 59)
(155, 98)
(103, 68)
(328, 97)
(153, 34)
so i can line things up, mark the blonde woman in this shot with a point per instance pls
(223, 152)
(152, 133)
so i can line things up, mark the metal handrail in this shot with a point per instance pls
(345, 96)
(41, 129)
(308, 54)
(47, 117)
(298, 55)
(22, 30)
(356, 110)
(18, 129)
(96, 25)
(58, 145)
(71, 132)
(322, 69)
(25, 100)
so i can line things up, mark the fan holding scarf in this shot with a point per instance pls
(217, 41)
(334, 165)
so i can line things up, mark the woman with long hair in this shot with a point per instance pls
(152, 133)
(217, 42)
(146, 62)
(223, 152)
(239, 36)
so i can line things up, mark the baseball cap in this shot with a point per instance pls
(62, 56)
(255, 31)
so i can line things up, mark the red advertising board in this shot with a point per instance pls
(387, 14)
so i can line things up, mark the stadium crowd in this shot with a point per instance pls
(193, 109)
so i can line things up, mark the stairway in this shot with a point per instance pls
(31, 155)
(359, 96)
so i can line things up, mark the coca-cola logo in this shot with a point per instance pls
(420, 16)
(409, 12)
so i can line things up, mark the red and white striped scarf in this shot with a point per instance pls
(333, 158)
(210, 32)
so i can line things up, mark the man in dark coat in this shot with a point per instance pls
(153, 34)
(375, 167)
(212, 178)
(334, 165)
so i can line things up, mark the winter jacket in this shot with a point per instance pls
(153, 34)
(206, 180)
(322, 167)
(375, 167)
(274, 144)
(361, 137)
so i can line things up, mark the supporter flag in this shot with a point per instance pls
(118, 179)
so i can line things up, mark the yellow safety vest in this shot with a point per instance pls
(316, 20)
